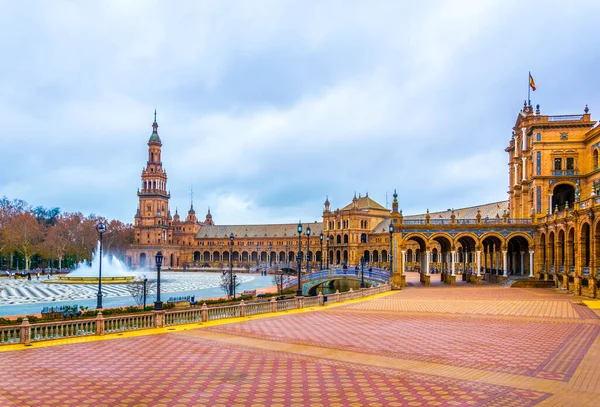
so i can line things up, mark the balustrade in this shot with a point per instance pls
(10, 334)
(128, 323)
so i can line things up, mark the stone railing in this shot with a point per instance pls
(27, 333)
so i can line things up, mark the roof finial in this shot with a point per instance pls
(154, 115)
(191, 197)
(586, 110)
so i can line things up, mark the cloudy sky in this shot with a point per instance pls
(267, 107)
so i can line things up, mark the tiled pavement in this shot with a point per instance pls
(463, 346)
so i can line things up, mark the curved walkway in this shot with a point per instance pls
(435, 346)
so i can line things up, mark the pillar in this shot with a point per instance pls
(478, 262)
(513, 265)
(495, 251)
(505, 259)
(427, 259)
(403, 261)
(453, 262)
(531, 263)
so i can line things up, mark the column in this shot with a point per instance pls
(453, 262)
(505, 258)
(531, 263)
(478, 263)
(496, 254)
(522, 263)
(427, 259)
(516, 176)
(550, 208)
(524, 168)
(403, 261)
(513, 265)
(448, 262)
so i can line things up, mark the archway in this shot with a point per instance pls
(206, 256)
(560, 251)
(492, 254)
(518, 256)
(562, 194)
(171, 260)
(235, 256)
(418, 245)
(142, 259)
(443, 246)
(469, 258)
(196, 256)
(571, 249)
(585, 247)
(338, 257)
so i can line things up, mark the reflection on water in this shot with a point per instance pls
(341, 285)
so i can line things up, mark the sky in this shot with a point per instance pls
(266, 108)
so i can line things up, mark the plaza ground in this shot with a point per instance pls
(422, 346)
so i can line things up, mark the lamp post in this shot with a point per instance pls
(233, 285)
(270, 253)
(145, 291)
(327, 260)
(308, 249)
(391, 236)
(101, 228)
(299, 260)
(281, 283)
(362, 272)
(158, 302)
(321, 240)
(231, 237)
(257, 257)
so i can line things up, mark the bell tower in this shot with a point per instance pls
(152, 223)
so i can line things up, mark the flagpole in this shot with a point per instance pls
(529, 89)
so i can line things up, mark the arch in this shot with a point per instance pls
(346, 239)
(226, 257)
(585, 245)
(338, 257)
(465, 235)
(330, 258)
(492, 234)
(434, 255)
(142, 259)
(263, 257)
(367, 256)
(375, 256)
(562, 193)
(571, 247)
(520, 234)
(217, 256)
(318, 256)
(345, 254)
(235, 256)
(338, 239)
(363, 238)
(282, 257)
(561, 247)
(518, 254)
(543, 247)
(171, 260)
(551, 243)
(595, 158)
(244, 256)
(420, 238)
(196, 256)
(206, 256)
(384, 255)
(291, 256)
(443, 239)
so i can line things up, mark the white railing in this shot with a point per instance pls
(25, 333)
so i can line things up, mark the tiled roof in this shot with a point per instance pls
(365, 202)
(257, 231)
(488, 210)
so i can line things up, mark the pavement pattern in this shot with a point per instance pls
(435, 346)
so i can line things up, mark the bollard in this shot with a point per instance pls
(159, 319)
(25, 332)
(204, 313)
(242, 309)
(99, 324)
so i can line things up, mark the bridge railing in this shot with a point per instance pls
(26, 333)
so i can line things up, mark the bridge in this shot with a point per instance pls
(310, 281)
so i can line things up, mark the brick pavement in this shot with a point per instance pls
(505, 347)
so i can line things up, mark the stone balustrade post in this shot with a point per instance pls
(299, 302)
(337, 295)
(242, 308)
(273, 305)
(25, 332)
(159, 319)
(99, 324)
(321, 301)
(204, 311)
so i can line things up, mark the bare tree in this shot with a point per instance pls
(136, 289)
(226, 285)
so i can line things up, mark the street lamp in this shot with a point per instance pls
(145, 291)
(308, 249)
(158, 302)
(101, 228)
(362, 272)
(328, 261)
(234, 280)
(270, 253)
(231, 237)
(299, 260)
(391, 236)
(287, 257)
(321, 240)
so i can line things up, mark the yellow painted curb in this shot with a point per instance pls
(176, 328)
(592, 304)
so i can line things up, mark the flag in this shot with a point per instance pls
(440, 216)
(531, 82)
(498, 205)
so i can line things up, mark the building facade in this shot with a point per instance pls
(548, 228)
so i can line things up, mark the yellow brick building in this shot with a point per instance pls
(546, 230)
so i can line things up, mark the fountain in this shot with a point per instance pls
(114, 271)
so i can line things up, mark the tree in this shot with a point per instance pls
(24, 234)
(136, 289)
(226, 285)
(118, 237)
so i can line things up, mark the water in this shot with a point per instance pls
(177, 290)
(111, 267)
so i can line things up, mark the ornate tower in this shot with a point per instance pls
(152, 221)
